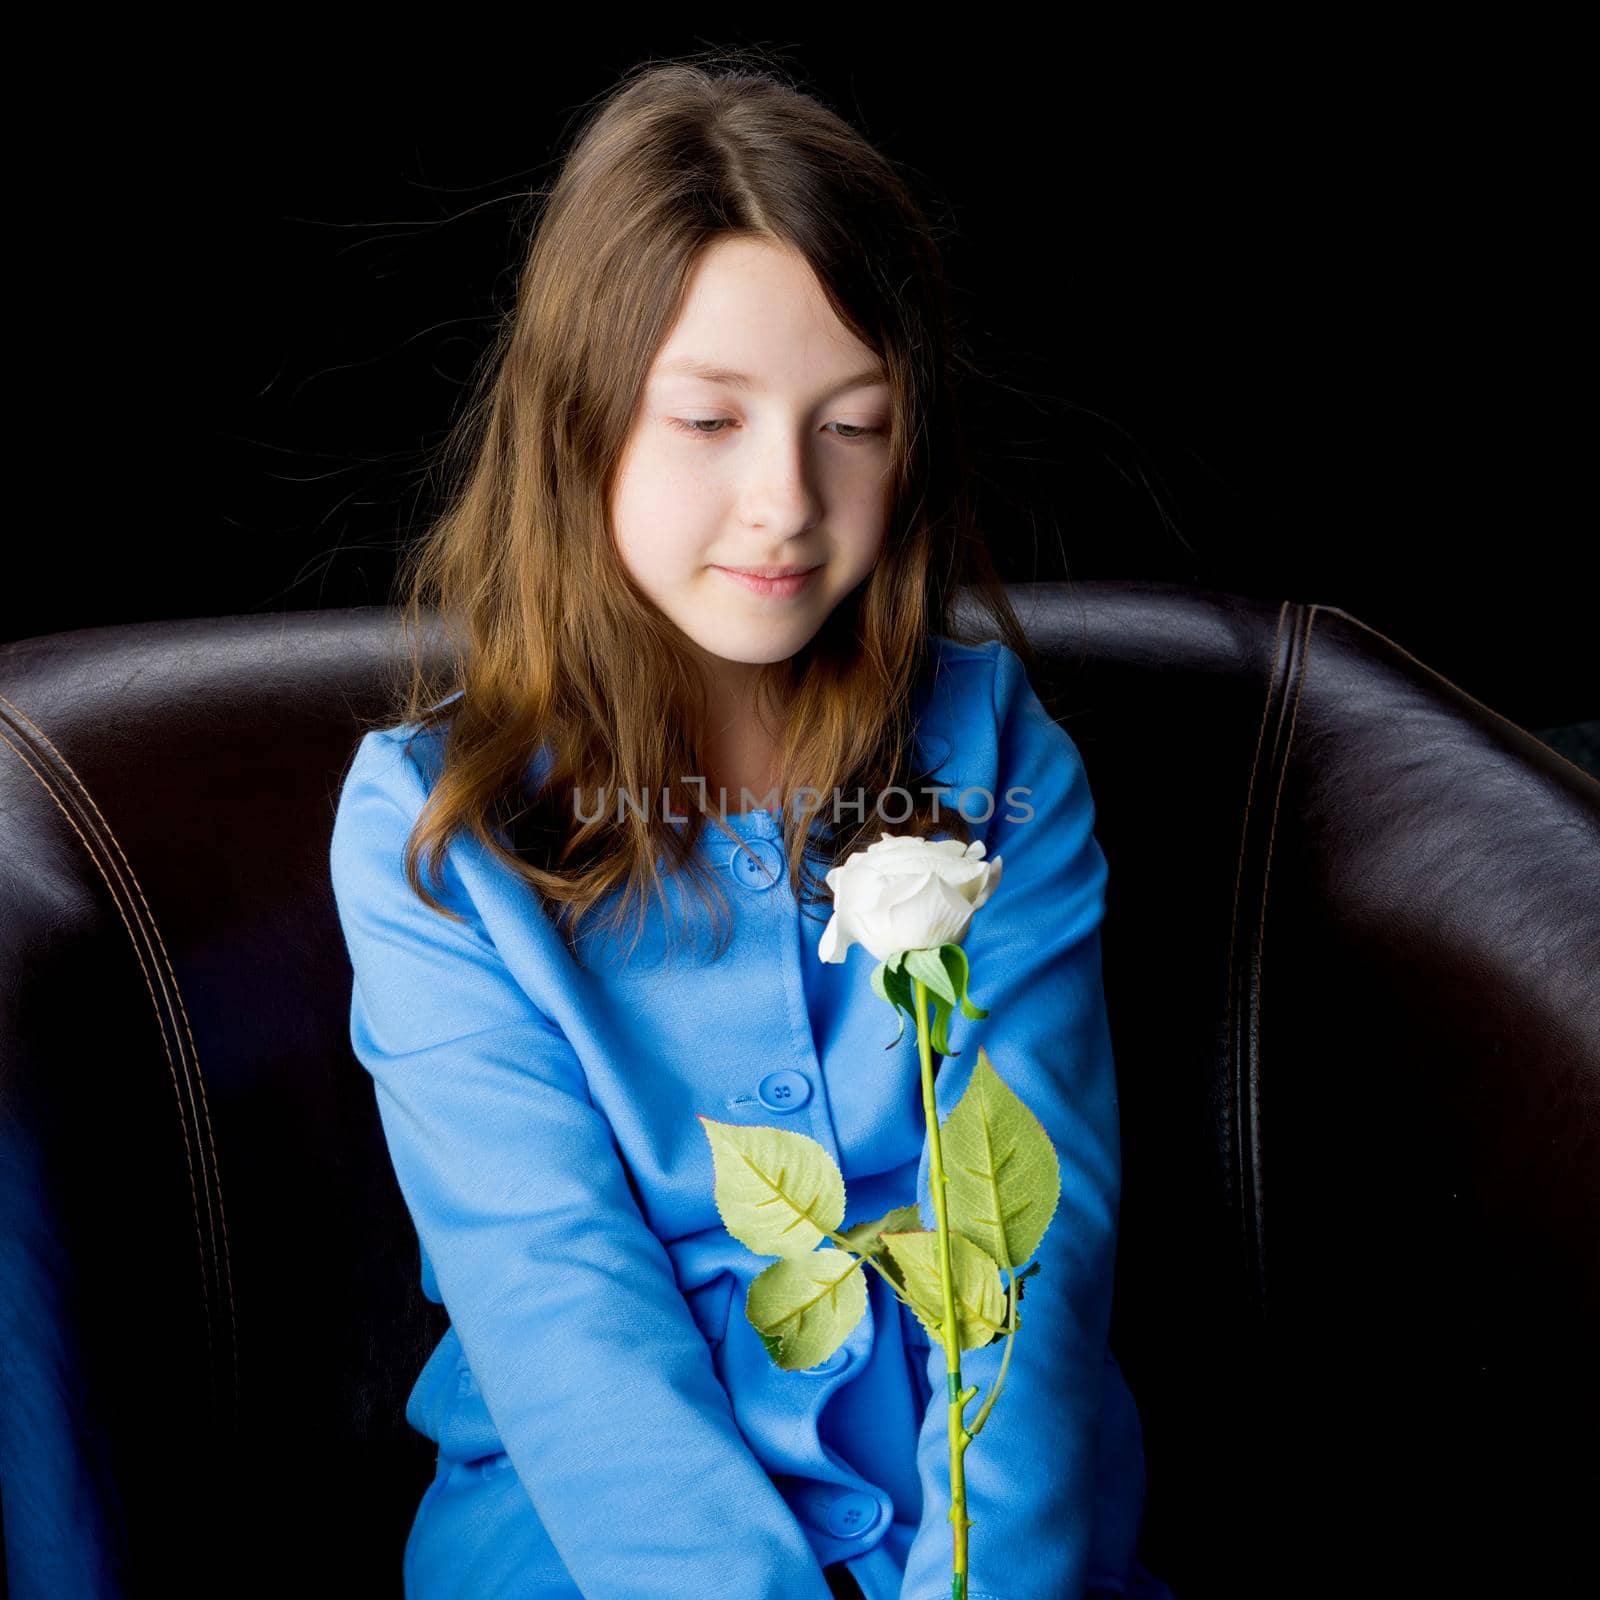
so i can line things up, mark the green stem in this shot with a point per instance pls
(1005, 1359)
(959, 1437)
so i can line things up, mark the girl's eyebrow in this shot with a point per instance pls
(692, 366)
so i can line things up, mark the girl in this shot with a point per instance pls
(729, 359)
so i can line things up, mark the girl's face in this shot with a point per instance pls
(786, 467)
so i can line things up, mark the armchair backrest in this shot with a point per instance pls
(1350, 964)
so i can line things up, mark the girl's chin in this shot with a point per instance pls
(741, 643)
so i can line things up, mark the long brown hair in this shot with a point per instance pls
(551, 641)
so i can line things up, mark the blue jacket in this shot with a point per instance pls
(609, 1425)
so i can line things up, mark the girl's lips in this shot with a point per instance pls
(777, 588)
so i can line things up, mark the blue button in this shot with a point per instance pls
(839, 1358)
(784, 1090)
(757, 864)
(464, 1384)
(853, 1514)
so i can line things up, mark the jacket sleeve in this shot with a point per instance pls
(589, 1360)
(1034, 961)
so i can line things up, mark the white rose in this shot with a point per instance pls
(906, 893)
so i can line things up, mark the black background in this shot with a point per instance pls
(1291, 316)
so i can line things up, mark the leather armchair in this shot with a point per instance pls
(1350, 959)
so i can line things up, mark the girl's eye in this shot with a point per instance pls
(701, 427)
(713, 427)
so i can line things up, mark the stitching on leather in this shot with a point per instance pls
(197, 1077)
(1266, 866)
(1244, 837)
(155, 1003)
(1588, 777)
(155, 1006)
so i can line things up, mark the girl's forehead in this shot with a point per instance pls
(872, 373)
(758, 311)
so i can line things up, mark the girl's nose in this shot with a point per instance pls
(779, 492)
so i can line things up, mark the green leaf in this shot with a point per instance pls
(928, 965)
(866, 1237)
(955, 961)
(1004, 1175)
(778, 1193)
(807, 1305)
(939, 1035)
(896, 989)
(900, 992)
(880, 988)
(1017, 1281)
(980, 1296)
